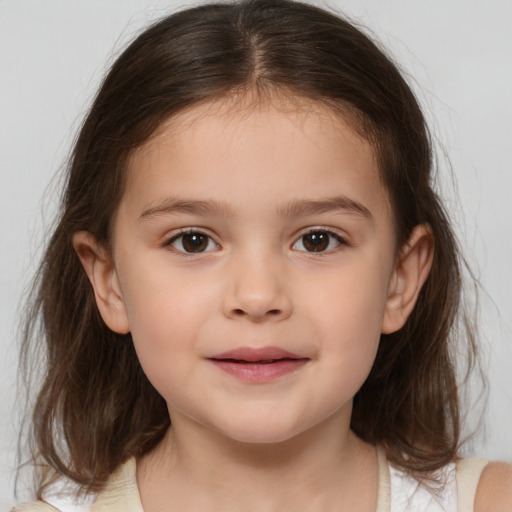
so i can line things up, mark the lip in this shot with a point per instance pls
(251, 355)
(258, 365)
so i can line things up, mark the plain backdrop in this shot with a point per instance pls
(456, 52)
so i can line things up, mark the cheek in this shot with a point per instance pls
(168, 313)
(164, 340)
(350, 301)
(161, 299)
(348, 315)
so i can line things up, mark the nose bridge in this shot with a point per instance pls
(257, 287)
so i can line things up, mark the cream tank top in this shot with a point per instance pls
(397, 492)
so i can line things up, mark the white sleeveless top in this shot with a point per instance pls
(397, 492)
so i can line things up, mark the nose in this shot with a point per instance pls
(257, 290)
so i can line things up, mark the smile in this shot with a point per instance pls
(258, 365)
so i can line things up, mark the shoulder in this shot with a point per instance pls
(494, 491)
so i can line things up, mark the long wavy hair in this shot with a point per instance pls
(95, 407)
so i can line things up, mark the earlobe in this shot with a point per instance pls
(102, 274)
(411, 271)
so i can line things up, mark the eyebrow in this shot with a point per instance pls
(296, 208)
(191, 206)
(344, 204)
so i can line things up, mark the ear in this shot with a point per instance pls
(411, 271)
(100, 269)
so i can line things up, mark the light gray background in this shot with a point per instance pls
(458, 52)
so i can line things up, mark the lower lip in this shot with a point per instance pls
(259, 372)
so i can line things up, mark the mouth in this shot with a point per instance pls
(258, 365)
(253, 355)
(263, 361)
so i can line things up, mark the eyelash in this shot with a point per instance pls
(339, 240)
(209, 240)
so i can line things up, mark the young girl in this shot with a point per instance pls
(250, 297)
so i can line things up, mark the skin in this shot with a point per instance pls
(257, 180)
(494, 493)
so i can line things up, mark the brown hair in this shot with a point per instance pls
(96, 407)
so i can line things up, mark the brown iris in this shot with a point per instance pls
(194, 242)
(317, 241)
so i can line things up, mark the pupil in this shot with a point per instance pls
(316, 242)
(195, 242)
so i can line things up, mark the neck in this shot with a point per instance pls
(194, 468)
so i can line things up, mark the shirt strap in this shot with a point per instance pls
(35, 506)
(384, 491)
(121, 493)
(468, 475)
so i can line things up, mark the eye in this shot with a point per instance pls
(320, 240)
(192, 242)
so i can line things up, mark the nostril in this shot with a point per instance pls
(270, 312)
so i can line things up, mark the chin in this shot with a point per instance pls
(262, 437)
(261, 434)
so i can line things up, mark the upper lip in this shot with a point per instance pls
(257, 354)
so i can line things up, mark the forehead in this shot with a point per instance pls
(334, 120)
(283, 144)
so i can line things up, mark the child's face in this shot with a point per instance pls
(266, 228)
